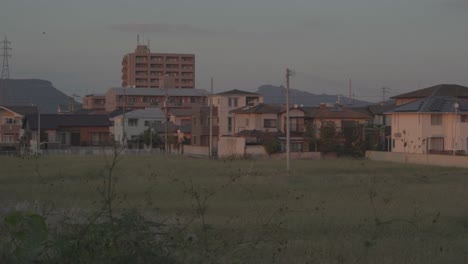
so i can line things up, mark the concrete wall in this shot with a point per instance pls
(423, 159)
(254, 151)
(231, 146)
(191, 150)
(297, 156)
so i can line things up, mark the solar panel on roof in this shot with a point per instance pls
(437, 105)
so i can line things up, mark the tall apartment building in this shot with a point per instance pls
(143, 69)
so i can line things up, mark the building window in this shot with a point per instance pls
(436, 120)
(147, 123)
(132, 122)
(9, 121)
(232, 102)
(229, 124)
(98, 138)
(269, 123)
(464, 118)
(436, 143)
(61, 138)
(8, 138)
(296, 147)
(247, 122)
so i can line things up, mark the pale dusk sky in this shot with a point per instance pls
(405, 45)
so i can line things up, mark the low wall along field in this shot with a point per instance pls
(423, 159)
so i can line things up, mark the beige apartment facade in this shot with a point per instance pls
(230, 100)
(11, 120)
(144, 69)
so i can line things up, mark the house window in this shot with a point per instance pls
(61, 138)
(436, 143)
(232, 102)
(8, 139)
(98, 138)
(436, 120)
(269, 123)
(296, 147)
(146, 123)
(132, 122)
(464, 118)
(229, 124)
(9, 121)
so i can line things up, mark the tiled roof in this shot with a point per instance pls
(379, 109)
(159, 91)
(259, 109)
(22, 110)
(55, 121)
(181, 111)
(437, 90)
(149, 113)
(433, 104)
(335, 112)
(237, 92)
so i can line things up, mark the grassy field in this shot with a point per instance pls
(331, 211)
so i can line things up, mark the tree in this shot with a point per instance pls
(311, 136)
(328, 142)
(147, 137)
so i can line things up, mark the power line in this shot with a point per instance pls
(5, 66)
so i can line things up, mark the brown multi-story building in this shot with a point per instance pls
(143, 69)
(94, 102)
(140, 98)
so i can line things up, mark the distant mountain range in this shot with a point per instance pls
(14, 92)
(276, 95)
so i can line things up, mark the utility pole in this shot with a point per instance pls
(165, 114)
(5, 66)
(124, 136)
(211, 120)
(38, 131)
(289, 73)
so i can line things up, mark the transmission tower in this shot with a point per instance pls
(5, 55)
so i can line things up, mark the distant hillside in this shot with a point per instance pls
(276, 95)
(32, 92)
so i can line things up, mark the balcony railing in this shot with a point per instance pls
(10, 128)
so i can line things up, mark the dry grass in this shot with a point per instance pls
(332, 211)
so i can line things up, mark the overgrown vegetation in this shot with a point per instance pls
(150, 209)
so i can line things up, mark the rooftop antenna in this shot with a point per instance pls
(138, 39)
(5, 67)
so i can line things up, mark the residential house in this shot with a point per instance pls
(11, 120)
(181, 116)
(140, 98)
(201, 127)
(264, 121)
(453, 90)
(344, 119)
(230, 100)
(129, 126)
(64, 130)
(435, 124)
